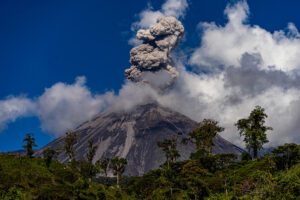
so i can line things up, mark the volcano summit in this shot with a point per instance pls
(134, 135)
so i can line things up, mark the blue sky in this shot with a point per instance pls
(46, 42)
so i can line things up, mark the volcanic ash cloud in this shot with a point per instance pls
(154, 54)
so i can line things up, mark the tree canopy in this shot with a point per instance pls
(253, 129)
(118, 166)
(203, 135)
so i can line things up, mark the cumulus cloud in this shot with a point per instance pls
(12, 108)
(225, 45)
(250, 80)
(210, 96)
(65, 106)
(174, 8)
(147, 17)
(62, 106)
(207, 96)
(244, 65)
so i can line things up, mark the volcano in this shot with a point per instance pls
(133, 134)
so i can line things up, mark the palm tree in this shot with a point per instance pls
(70, 140)
(30, 143)
(102, 166)
(118, 166)
(91, 151)
(90, 156)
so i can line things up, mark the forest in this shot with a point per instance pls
(274, 175)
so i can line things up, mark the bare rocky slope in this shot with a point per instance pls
(134, 135)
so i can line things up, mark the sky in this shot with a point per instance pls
(62, 62)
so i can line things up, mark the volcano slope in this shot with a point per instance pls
(133, 134)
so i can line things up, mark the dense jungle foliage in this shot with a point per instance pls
(274, 176)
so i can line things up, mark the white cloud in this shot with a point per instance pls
(132, 94)
(225, 45)
(147, 17)
(247, 66)
(13, 107)
(206, 96)
(65, 106)
(134, 41)
(175, 8)
(62, 106)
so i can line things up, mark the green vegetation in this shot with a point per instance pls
(49, 154)
(169, 148)
(203, 135)
(204, 176)
(102, 166)
(118, 165)
(30, 143)
(70, 140)
(254, 130)
(25, 178)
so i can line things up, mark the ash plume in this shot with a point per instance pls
(154, 54)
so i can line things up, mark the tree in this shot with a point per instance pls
(286, 155)
(254, 130)
(91, 151)
(213, 162)
(197, 188)
(30, 143)
(169, 147)
(102, 165)
(86, 169)
(70, 140)
(203, 134)
(49, 154)
(89, 167)
(118, 166)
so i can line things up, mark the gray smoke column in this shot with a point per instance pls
(154, 54)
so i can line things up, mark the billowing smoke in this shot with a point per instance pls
(154, 55)
(147, 17)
